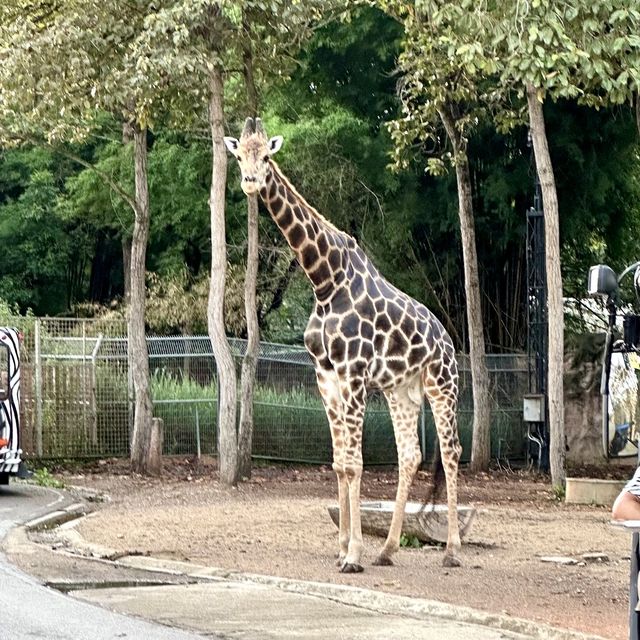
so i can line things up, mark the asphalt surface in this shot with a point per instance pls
(30, 611)
(197, 600)
(21, 502)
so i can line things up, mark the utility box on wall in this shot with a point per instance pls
(533, 408)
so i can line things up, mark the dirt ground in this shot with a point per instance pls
(277, 523)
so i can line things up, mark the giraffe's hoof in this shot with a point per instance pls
(383, 561)
(451, 561)
(351, 567)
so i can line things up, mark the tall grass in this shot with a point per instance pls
(289, 424)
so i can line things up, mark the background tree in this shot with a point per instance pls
(43, 259)
(580, 50)
(442, 90)
(211, 40)
(280, 32)
(332, 110)
(88, 46)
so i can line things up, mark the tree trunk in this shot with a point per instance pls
(127, 137)
(250, 360)
(481, 442)
(554, 288)
(145, 456)
(228, 440)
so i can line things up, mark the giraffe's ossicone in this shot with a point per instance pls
(363, 335)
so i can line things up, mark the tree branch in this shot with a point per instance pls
(105, 176)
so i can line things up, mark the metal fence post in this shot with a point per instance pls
(198, 433)
(38, 387)
(84, 376)
(94, 390)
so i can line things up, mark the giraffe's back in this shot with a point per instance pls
(370, 328)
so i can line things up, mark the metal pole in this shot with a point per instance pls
(606, 372)
(94, 390)
(197, 432)
(84, 376)
(38, 388)
(537, 322)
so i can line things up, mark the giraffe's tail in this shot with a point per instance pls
(438, 478)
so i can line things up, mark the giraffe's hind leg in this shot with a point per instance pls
(404, 408)
(442, 393)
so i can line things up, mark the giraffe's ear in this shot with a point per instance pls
(232, 144)
(274, 144)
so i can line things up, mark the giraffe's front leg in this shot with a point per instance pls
(353, 402)
(351, 563)
(330, 393)
(344, 524)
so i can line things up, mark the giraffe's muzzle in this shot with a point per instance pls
(249, 185)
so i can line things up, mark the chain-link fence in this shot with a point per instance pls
(77, 398)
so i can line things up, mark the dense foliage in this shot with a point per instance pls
(63, 228)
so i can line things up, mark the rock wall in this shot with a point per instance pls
(583, 403)
(583, 411)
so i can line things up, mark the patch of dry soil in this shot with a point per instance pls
(277, 523)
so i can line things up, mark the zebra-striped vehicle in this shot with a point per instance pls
(10, 451)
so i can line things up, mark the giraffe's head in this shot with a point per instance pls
(253, 151)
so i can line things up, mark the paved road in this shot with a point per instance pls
(217, 606)
(29, 611)
(260, 612)
(20, 503)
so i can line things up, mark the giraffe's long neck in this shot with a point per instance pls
(318, 245)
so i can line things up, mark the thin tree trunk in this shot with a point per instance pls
(554, 288)
(250, 360)
(127, 137)
(481, 444)
(145, 457)
(227, 393)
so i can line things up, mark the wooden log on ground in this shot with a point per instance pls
(427, 523)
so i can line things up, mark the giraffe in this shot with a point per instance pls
(363, 335)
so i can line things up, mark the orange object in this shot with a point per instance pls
(3, 442)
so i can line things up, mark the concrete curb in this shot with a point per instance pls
(365, 599)
(57, 518)
(368, 599)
